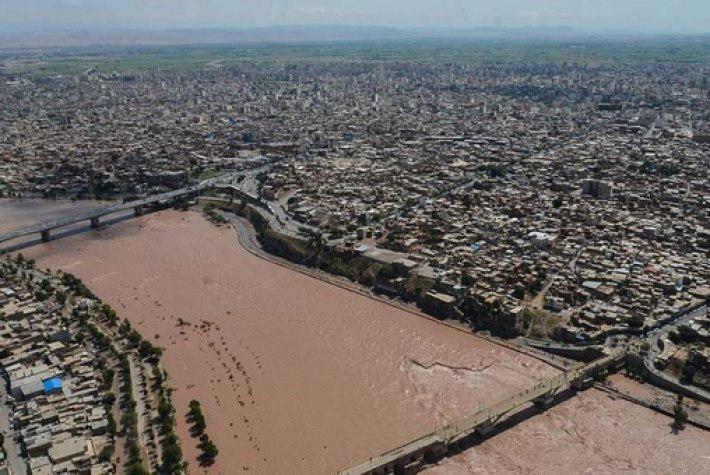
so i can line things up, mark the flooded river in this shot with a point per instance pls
(594, 433)
(295, 375)
(24, 212)
(299, 376)
(17, 213)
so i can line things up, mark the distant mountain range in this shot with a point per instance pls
(272, 34)
(498, 32)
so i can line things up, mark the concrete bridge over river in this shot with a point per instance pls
(94, 216)
(408, 458)
(246, 189)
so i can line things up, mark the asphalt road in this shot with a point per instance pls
(653, 338)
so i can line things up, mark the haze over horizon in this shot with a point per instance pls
(628, 16)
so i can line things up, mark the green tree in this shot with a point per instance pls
(209, 450)
(680, 415)
(172, 455)
(135, 468)
(111, 427)
(388, 271)
(109, 398)
(125, 327)
(158, 376)
(636, 321)
(107, 375)
(134, 338)
(198, 423)
(106, 453)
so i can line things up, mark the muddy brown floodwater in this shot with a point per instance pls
(298, 376)
(294, 375)
(592, 433)
(16, 213)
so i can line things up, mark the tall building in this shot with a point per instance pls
(597, 188)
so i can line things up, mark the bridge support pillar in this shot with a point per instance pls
(485, 428)
(95, 223)
(46, 237)
(543, 402)
(138, 211)
(582, 383)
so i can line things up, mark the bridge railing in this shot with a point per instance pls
(486, 416)
(98, 213)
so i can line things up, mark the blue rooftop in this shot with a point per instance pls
(52, 385)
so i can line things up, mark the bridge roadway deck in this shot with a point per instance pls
(481, 420)
(98, 213)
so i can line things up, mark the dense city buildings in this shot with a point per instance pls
(55, 390)
(578, 191)
(559, 206)
(76, 385)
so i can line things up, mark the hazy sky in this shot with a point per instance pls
(678, 16)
